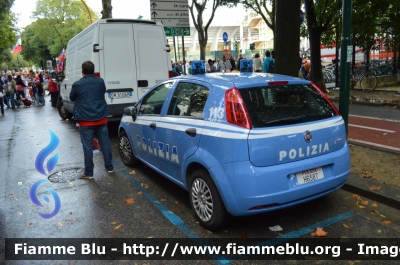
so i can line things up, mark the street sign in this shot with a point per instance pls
(225, 36)
(177, 31)
(171, 13)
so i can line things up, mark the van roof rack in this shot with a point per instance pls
(130, 20)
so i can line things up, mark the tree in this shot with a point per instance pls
(8, 32)
(107, 9)
(321, 16)
(287, 37)
(266, 9)
(57, 21)
(202, 31)
(34, 49)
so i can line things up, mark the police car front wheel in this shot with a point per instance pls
(125, 150)
(206, 201)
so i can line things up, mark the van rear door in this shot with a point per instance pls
(117, 62)
(152, 56)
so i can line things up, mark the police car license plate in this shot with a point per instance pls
(119, 94)
(309, 175)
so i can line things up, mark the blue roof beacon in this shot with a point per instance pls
(246, 65)
(198, 67)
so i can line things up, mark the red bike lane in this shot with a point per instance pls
(379, 133)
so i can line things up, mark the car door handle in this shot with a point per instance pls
(153, 126)
(191, 132)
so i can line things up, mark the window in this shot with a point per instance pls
(153, 102)
(281, 105)
(188, 100)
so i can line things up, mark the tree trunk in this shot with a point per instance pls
(107, 9)
(315, 45)
(287, 37)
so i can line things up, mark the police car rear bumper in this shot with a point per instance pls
(250, 190)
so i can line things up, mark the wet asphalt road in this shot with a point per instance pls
(156, 209)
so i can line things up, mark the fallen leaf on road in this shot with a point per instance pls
(364, 203)
(20, 183)
(30, 224)
(59, 223)
(386, 222)
(139, 192)
(373, 187)
(133, 172)
(378, 213)
(319, 232)
(118, 227)
(129, 201)
(174, 209)
(113, 223)
(176, 202)
(144, 185)
(355, 196)
(360, 206)
(374, 205)
(114, 232)
(71, 221)
(242, 235)
(348, 227)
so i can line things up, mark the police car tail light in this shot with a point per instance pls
(97, 74)
(326, 98)
(170, 74)
(236, 112)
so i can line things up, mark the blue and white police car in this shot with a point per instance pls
(240, 143)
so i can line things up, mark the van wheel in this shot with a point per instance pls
(125, 150)
(206, 201)
(65, 115)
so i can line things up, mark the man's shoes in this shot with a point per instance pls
(83, 176)
(109, 171)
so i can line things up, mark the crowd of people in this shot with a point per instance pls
(26, 88)
(228, 63)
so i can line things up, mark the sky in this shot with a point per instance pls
(125, 9)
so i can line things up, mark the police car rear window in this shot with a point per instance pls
(285, 104)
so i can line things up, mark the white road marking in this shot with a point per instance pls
(374, 144)
(371, 128)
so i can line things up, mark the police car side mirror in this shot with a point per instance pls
(131, 111)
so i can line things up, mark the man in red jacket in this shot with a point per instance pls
(53, 92)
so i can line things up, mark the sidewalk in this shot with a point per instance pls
(383, 189)
(381, 96)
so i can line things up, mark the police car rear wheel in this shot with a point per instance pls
(125, 150)
(64, 114)
(206, 201)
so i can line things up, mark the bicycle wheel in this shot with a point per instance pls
(369, 81)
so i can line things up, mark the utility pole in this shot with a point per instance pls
(344, 64)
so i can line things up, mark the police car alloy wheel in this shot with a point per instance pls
(206, 201)
(125, 150)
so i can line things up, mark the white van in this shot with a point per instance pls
(130, 55)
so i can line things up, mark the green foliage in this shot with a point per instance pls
(57, 21)
(8, 32)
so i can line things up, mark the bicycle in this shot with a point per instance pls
(367, 78)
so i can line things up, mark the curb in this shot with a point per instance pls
(377, 104)
(387, 195)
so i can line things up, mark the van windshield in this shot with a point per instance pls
(282, 105)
